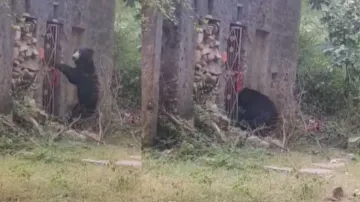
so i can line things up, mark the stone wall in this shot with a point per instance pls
(269, 44)
(82, 23)
(269, 38)
(268, 51)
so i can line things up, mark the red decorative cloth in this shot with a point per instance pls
(224, 57)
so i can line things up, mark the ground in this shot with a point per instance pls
(240, 176)
(56, 174)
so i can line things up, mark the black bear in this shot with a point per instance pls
(84, 77)
(256, 110)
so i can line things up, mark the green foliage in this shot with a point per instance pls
(343, 24)
(341, 20)
(317, 4)
(330, 80)
(130, 3)
(128, 43)
(168, 7)
(323, 87)
(127, 54)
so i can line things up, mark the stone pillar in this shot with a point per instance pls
(6, 54)
(151, 51)
(178, 61)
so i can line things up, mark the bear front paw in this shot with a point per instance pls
(57, 66)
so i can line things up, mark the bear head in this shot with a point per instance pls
(83, 59)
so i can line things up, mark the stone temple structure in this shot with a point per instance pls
(54, 29)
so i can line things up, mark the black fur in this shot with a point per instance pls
(256, 110)
(84, 77)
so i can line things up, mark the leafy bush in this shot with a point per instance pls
(127, 53)
(323, 85)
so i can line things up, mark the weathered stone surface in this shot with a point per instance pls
(214, 69)
(316, 171)
(130, 163)
(25, 60)
(136, 157)
(281, 169)
(339, 160)
(330, 165)
(206, 58)
(98, 162)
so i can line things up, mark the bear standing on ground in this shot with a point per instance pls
(84, 77)
(256, 110)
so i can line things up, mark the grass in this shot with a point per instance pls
(55, 173)
(239, 176)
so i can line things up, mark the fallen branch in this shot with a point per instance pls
(66, 127)
(285, 138)
(180, 123)
(93, 138)
(8, 124)
(134, 136)
(101, 135)
(276, 145)
(37, 126)
(218, 131)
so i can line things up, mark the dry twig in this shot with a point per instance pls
(179, 123)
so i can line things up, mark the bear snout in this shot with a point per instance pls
(76, 56)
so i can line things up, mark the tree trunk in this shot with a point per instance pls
(151, 51)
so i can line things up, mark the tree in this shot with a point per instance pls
(342, 20)
(130, 3)
(317, 4)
